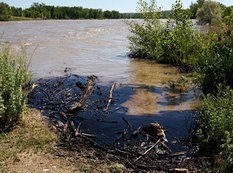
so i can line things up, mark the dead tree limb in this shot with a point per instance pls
(88, 135)
(110, 96)
(136, 132)
(81, 104)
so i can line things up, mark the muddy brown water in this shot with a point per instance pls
(100, 47)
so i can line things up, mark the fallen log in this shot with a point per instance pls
(110, 96)
(81, 104)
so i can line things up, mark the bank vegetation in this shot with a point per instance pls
(208, 55)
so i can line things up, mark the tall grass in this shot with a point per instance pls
(215, 119)
(13, 75)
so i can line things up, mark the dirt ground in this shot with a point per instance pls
(40, 162)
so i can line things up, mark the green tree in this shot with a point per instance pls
(16, 11)
(116, 14)
(4, 9)
(108, 14)
(210, 13)
(194, 7)
(4, 12)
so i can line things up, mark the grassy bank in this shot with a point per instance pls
(27, 142)
(32, 133)
(15, 18)
(32, 146)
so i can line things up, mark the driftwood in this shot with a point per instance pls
(81, 104)
(145, 166)
(177, 154)
(110, 96)
(88, 135)
(178, 170)
(136, 132)
(147, 150)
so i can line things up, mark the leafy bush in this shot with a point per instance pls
(13, 75)
(228, 14)
(215, 64)
(216, 124)
(174, 42)
(210, 13)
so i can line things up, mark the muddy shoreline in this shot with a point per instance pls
(111, 130)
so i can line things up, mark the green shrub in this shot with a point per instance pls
(215, 64)
(4, 17)
(13, 75)
(174, 42)
(215, 120)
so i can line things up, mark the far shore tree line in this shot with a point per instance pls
(43, 11)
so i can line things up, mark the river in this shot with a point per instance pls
(100, 47)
